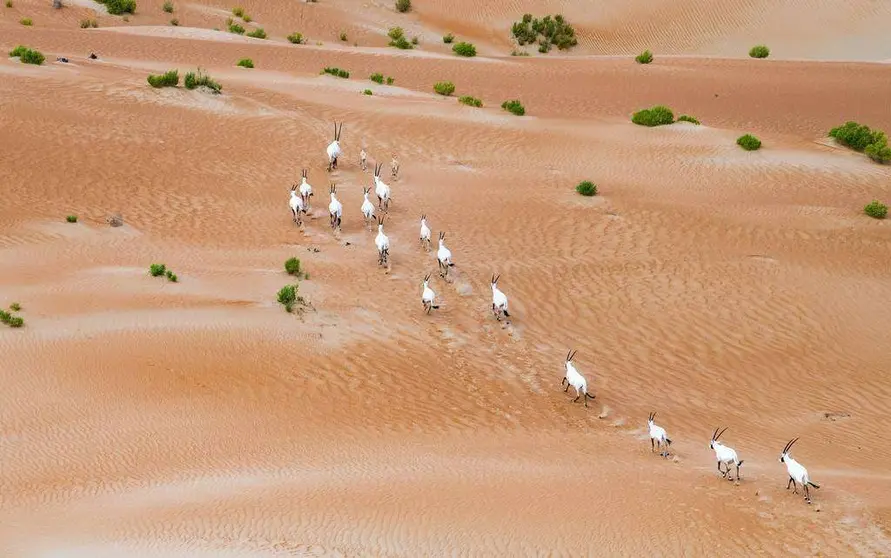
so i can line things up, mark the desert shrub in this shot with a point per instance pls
(71, 218)
(879, 151)
(238, 11)
(337, 72)
(245, 63)
(395, 33)
(257, 33)
(876, 209)
(519, 53)
(655, 116)
(18, 51)
(464, 49)
(447, 39)
(246, 18)
(470, 101)
(749, 142)
(10, 320)
(8, 3)
(26, 21)
(586, 188)
(444, 88)
(171, 276)
(87, 23)
(688, 118)
(397, 38)
(169, 79)
(31, 56)
(343, 36)
(547, 31)
(168, 7)
(403, 6)
(235, 28)
(118, 7)
(377, 78)
(157, 270)
(197, 79)
(367, 92)
(292, 266)
(759, 51)
(644, 57)
(15, 307)
(390, 80)
(856, 136)
(174, 22)
(514, 107)
(296, 38)
(287, 296)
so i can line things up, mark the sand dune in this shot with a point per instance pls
(712, 285)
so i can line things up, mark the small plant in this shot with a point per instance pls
(397, 38)
(287, 296)
(238, 11)
(644, 57)
(119, 7)
(879, 151)
(245, 63)
(87, 23)
(26, 21)
(656, 116)
(296, 38)
(390, 80)
(171, 276)
(876, 209)
(168, 7)
(8, 3)
(464, 49)
(688, 118)
(377, 78)
(292, 267)
(403, 6)
(27, 55)
(547, 31)
(174, 22)
(10, 320)
(18, 51)
(15, 307)
(586, 188)
(514, 107)
(860, 138)
(169, 79)
(343, 36)
(759, 51)
(395, 33)
(337, 72)
(447, 39)
(157, 270)
(367, 92)
(246, 18)
(71, 218)
(257, 33)
(470, 101)
(749, 142)
(197, 79)
(444, 88)
(519, 53)
(237, 29)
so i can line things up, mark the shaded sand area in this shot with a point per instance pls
(716, 286)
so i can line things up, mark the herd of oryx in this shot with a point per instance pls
(300, 204)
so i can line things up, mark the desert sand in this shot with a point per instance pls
(715, 286)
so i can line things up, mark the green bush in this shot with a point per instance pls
(401, 43)
(32, 57)
(15, 307)
(514, 107)
(336, 72)
(586, 188)
(447, 39)
(292, 267)
(157, 270)
(118, 7)
(749, 142)
(197, 79)
(245, 63)
(296, 38)
(856, 136)
(171, 276)
(87, 23)
(237, 29)
(390, 80)
(444, 88)
(395, 33)
(10, 320)
(287, 296)
(168, 7)
(403, 6)
(547, 31)
(238, 11)
(470, 101)
(71, 218)
(169, 79)
(519, 53)
(656, 116)
(464, 49)
(688, 118)
(644, 57)
(876, 209)
(18, 51)
(879, 151)
(26, 21)
(759, 51)
(367, 92)
(377, 78)
(257, 33)
(246, 18)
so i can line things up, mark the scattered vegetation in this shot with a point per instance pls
(247, 19)
(655, 116)
(197, 79)
(174, 22)
(27, 55)
(11, 320)
(749, 142)
(516, 52)
(876, 209)
(257, 33)
(71, 218)
(586, 188)
(238, 11)
(447, 39)
(287, 297)
(377, 77)
(15, 307)
(87, 23)
(169, 79)
(390, 80)
(470, 101)
(464, 49)
(168, 7)
(397, 38)
(236, 28)
(118, 7)
(444, 88)
(337, 72)
(514, 107)
(292, 267)
(245, 63)
(403, 6)
(759, 51)
(367, 92)
(26, 21)
(547, 31)
(171, 276)
(861, 139)
(343, 36)
(157, 270)
(296, 38)
(688, 118)
(644, 57)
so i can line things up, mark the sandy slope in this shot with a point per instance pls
(712, 285)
